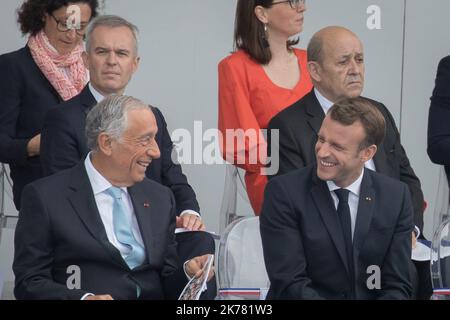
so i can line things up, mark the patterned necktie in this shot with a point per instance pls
(343, 211)
(123, 231)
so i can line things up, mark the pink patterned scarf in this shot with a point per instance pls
(66, 73)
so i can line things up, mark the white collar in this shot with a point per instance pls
(98, 182)
(354, 188)
(324, 102)
(97, 95)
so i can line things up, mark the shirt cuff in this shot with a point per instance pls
(185, 272)
(86, 295)
(191, 212)
(416, 232)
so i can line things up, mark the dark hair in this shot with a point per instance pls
(249, 34)
(31, 13)
(348, 111)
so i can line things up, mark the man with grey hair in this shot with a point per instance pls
(109, 234)
(112, 58)
(336, 67)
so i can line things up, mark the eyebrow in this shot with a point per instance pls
(348, 56)
(332, 143)
(337, 145)
(109, 49)
(148, 134)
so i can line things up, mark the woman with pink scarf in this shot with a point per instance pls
(47, 71)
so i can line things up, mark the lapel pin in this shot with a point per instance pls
(368, 199)
(146, 204)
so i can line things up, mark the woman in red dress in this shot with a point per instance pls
(264, 75)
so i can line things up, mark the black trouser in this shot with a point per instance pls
(421, 280)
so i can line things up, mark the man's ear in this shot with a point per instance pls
(261, 14)
(105, 143)
(314, 70)
(368, 153)
(136, 62)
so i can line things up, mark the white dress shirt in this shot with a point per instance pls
(97, 95)
(105, 203)
(353, 197)
(326, 105)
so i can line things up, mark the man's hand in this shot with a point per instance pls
(191, 222)
(99, 297)
(34, 146)
(195, 265)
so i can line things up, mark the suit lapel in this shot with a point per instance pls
(87, 99)
(380, 160)
(83, 202)
(364, 216)
(314, 111)
(322, 197)
(143, 211)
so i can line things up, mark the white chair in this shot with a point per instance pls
(7, 228)
(440, 262)
(235, 202)
(440, 248)
(240, 267)
(228, 207)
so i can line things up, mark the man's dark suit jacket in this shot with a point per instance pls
(304, 247)
(299, 125)
(60, 226)
(26, 96)
(63, 145)
(439, 118)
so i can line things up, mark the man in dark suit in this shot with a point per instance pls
(348, 228)
(336, 67)
(109, 232)
(438, 118)
(112, 58)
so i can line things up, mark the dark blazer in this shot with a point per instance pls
(63, 145)
(299, 125)
(439, 117)
(70, 232)
(304, 248)
(26, 96)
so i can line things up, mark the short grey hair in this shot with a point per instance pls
(110, 21)
(110, 117)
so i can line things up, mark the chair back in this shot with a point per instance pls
(241, 270)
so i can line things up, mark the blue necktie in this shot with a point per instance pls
(343, 211)
(123, 230)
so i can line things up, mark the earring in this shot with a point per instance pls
(264, 37)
